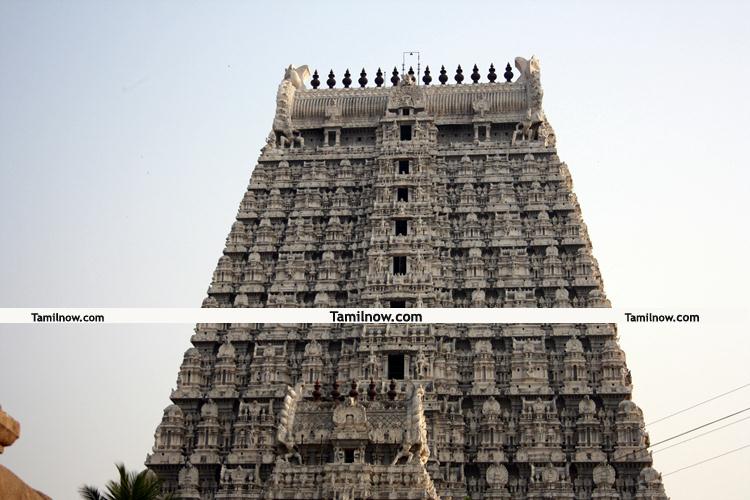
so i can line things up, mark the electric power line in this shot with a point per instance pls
(700, 427)
(702, 434)
(699, 404)
(707, 460)
(688, 432)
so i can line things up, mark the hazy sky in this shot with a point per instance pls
(128, 133)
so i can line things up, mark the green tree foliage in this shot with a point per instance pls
(131, 485)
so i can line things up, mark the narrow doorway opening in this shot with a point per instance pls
(405, 132)
(396, 366)
(402, 227)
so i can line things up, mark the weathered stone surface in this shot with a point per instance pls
(407, 196)
(11, 486)
(10, 429)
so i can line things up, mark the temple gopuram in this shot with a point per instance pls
(410, 192)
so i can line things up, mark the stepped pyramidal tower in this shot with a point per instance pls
(413, 194)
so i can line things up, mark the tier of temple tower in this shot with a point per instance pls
(412, 195)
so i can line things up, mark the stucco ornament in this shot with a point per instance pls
(604, 475)
(497, 475)
(414, 442)
(293, 80)
(530, 76)
(284, 434)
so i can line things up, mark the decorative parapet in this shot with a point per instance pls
(450, 104)
(299, 108)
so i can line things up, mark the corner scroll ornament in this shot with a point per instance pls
(530, 76)
(535, 124)
(282, 123)
(284, 431)
(414, 442)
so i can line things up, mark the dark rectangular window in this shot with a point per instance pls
(396, 366)
(405, 132)
(402, 194)
(403, 166)
(402, 227)
(399, 264)
(406, 111)
(349, 456)
(398, 304)
(482, 133)
(331, 138)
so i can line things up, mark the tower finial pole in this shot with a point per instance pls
(410, 53)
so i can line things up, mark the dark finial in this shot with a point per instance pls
(475, 74)
(353, 391)
(459, 75)
(335, 394)
(395, 79)
(379, 78)
(392, 390)
(331, 80)
(315, 82)
(427, 78)
(347, 79)
(372, 390)
(316, 391)
(508, 73)
(411, 71)
(362, 78)
(491, 76)
(443, 78)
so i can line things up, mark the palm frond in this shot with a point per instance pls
(146, 486)
(90, 493)
(143, 485)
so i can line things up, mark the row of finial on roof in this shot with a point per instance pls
(426, 78)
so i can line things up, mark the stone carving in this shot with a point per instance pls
(350, 414)
(293, 80)
(284, 434)
(604, 475)
(497, 476)
(333, 110)
(189, 481)
(406, 95)
(491, 407)
(546, 134)
(530, 70)
(481, 106)
(487, 220)
(414, 442)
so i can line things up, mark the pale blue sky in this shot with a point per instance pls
(128, 133)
